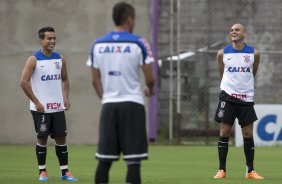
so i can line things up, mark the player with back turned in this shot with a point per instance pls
(115, 60)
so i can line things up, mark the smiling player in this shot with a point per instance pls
(45, 82)
(237, 66)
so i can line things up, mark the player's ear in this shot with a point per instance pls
(130, 23)
(245, 34)
(40, 41)
(129, 20)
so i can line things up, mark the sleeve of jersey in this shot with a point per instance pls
(90, 60)
(146, 51)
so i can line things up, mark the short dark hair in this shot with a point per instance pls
(41, 32)
(121, 11)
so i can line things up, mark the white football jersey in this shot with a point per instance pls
(118, 56)
(238, 78)
(46, 82)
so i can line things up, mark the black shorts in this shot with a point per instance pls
(46, 124)
(227, 112)
(122, 130)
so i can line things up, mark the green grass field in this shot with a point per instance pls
(166, 165)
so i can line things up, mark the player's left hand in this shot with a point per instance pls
(148, 92)
(66, 104)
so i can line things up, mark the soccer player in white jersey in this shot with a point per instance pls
(115, 60)
(237, 65)
(45, 82)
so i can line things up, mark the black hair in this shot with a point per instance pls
(41, 32)
(121, 11)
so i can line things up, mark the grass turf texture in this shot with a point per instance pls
(166, 165)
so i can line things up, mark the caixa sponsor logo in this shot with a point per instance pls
(51, 77)
(265, 134)
(115, 73)
(114, 49)
(239, 69)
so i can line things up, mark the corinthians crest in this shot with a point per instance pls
(57, 65)
(220, 113)
(247, 58)
(43, 127)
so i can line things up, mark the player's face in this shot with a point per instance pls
(237, 33)
(49, 41)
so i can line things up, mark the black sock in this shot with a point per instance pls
(133, 173)
(102, 172)
(222, 152)
(249, 149)
(41, 152)
(62, 154)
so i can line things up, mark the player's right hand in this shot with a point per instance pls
(39, 107)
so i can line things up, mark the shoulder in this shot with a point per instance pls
(56, 55)
(143, 41)
(123, 37)
(256, 52)
(249, 49)
(62, 58)
(220, 52)
(140, 41)
(137, 39)
(31, 59)
(37, 55)
(31, 62)
(119, 37)
(103, 38)
(40, 56)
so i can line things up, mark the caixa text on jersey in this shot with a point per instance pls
(51, 77)
(239, 69)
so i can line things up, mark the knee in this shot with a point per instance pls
(247, 131)
(225, 132)
(42, 140)
(60, 140)
(247, 134)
